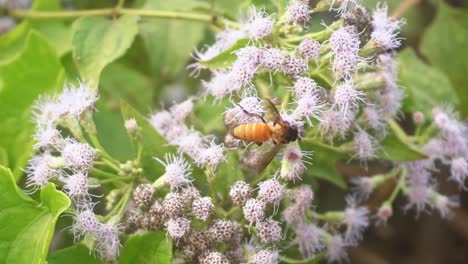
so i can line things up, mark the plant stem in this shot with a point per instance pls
(103, 174)
(32, 14)
(399, 186)
(120, 4)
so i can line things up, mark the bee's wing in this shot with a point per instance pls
(272, 112)
(258, 159)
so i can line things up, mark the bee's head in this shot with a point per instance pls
(291, 134)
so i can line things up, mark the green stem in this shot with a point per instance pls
(121, 204)
(328, 216)
(324, 145)
(210, 178)
(399, 186)
(32, 14)
(139, 153)
(119, 178)
(103, 174)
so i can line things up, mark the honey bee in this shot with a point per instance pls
(280, 132)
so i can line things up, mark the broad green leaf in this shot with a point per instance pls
(397, 146)
(120, 82)
(149, 247)
(55, 30)
(12, 42)
(26, 226)
(445, 46)
(98, 41)
(110, 129)
(77, 254)
(154, 144)
(425, 85)
(226, 58)
(323, 163)
(169, 43)
(34, 71)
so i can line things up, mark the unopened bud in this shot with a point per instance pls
(418, 118)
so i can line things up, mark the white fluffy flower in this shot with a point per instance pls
(47, 137)
(347, 98)
(385, 29)
(220, 85)
(77, 155)
(344, 46)
(38, 171)
(178, 171)
(260, 25)
(212, 155)
(343, 5)
(298, 12)
(75, 100)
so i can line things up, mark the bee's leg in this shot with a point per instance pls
(259, 143)
(254, 115)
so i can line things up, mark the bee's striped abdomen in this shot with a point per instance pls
(256, 132)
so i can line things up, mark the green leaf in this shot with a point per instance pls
(169, 43)
(34, 71)
(398, 147)
(110, 129)
(13, 41)
(55, 30)
(225, 58)
(26, 226)
(76, 254)
(154, 145)
(426, 86)
(98, 41)
(120, 82)
(149, 247)
(445, 46)
(323, 163)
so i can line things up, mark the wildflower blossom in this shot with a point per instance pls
(334, 122)
(347, 98)
(385, 29)
(442, 203)
(459, 171)
(191, 144)
(292, 165)
(294, 66)
(269, 231)
(384, 213)
(220, 85)
(212, 155)
(304, 86)
(240, 192)
(108, 244)
(143, 194)
(298, 12)
(265, 257)
(85, 222)
(254, 210)
(271, 191)
(214, 258)
(76, 184)
(221, 230)
(343, 5)
(308, 106)
(74, 100)
(77, 155)
(356, 220)
(344, 46)
(364, 144)
(260, 25)
(182, 110)
(202, 208)
(308, 239)
(47, 137)
(173, 204)
(336, 249)
(178, 171)
(46, 111)
(272, 59)
(38, 171)
(309, 49)
(178, 227)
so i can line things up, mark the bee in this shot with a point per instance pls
(280, 132)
